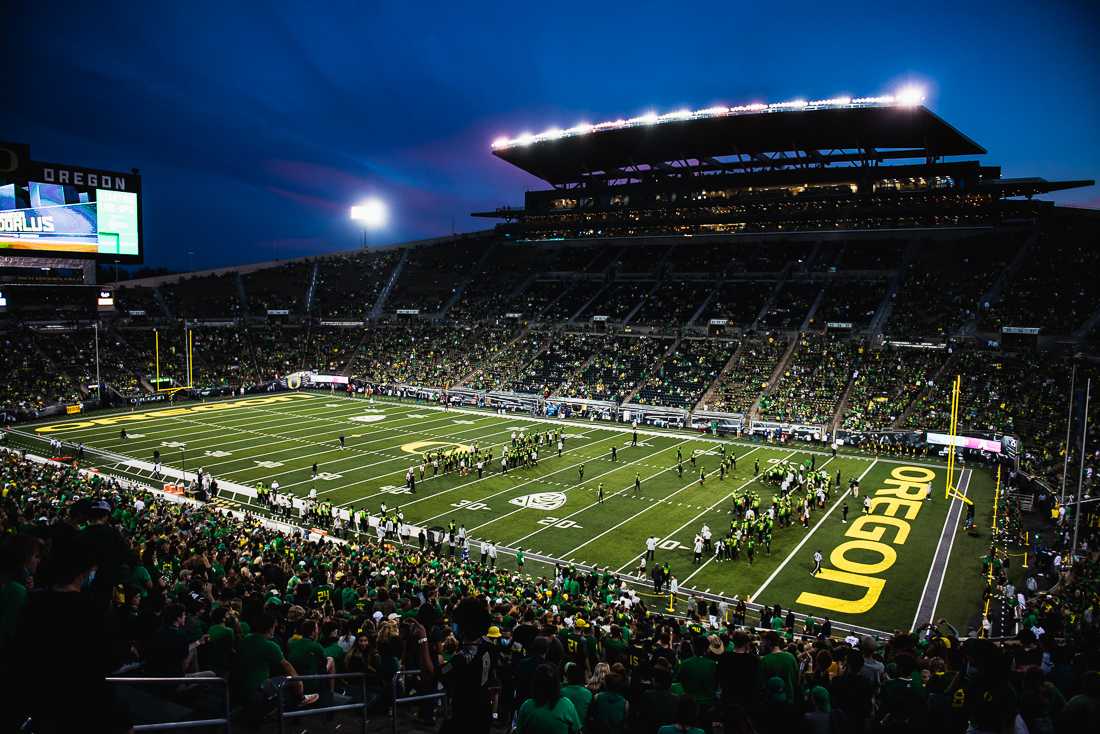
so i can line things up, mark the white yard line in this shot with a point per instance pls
(650, 507)
(708, 561)
(488, 476)
(797, 548)
(586, 481)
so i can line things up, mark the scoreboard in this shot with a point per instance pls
(49, 209)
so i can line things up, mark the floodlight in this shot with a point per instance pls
(371, 213)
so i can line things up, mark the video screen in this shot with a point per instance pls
(55, 218)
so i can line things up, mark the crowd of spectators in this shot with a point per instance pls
(1056, 289)
(565, 354)
(203, 296)
(791, 305)
(28, 383)
(813, 380)
(886, 383)
(617, 300)
(277, 288)
(103, 577)
(943, 285)
(673, 302)
(852, 302)
(501, 371)
(618, 365)
(738, 301)
(685, 374)
(749, 375)
(348, 285)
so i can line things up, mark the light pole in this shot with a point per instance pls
(371, 214)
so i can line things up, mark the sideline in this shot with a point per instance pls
(942, 557)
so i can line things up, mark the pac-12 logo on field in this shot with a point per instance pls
(423, 447)
(540, 500)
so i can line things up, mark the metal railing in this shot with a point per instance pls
(360, 706)
(191, 724)
(399, 685)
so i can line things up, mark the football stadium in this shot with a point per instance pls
(771, 417)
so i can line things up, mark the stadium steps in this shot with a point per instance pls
(813, 308)
(712, 388)
(132, 358)
(477, 272)
(242, 294)
(311, 289)
(882, 315)
(841, 406)
(773, 379)
(599, 292)
(158, 296)
(391, 282)
(702, 307)
(346, 371)
(653, 369)
(996, 291)
(477, 368)
(638, 306)
(1086, 328)
(770, 300)
(934, 380)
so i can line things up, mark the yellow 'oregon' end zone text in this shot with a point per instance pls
(113, 420)
(904, 493)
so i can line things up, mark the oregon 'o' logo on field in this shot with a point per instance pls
(374, 418)
(540, 500)
(423, 447)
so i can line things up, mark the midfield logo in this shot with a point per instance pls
(540, 500)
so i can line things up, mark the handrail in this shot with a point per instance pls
(191, 724)
(300, 713)
(398, 679)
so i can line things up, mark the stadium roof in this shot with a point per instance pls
(876, 131)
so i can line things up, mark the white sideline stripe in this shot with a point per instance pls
(587, 507)
(949, 525)
(669, 434)
(781, 566)
(646, 509)
(707, 562)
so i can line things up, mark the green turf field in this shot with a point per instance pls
(886, 563)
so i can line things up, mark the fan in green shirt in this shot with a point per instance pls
(576, 691)
(698, 674)
(548, 711)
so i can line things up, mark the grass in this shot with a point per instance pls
(280, 437)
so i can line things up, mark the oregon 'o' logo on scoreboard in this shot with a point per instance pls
(423, 447)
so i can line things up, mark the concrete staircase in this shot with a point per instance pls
(712, 389)
(649, 373)
(813, 308)
(380, 302)
(773, 379)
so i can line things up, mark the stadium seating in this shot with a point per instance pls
(615, 368)
(749, 374)
(685, 374)
(887, 382)
(283, 287)
(348, 285)
(204, 297)
(814, 380)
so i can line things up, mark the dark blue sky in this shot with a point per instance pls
(256, 125)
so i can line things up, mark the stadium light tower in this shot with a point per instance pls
(371, 214)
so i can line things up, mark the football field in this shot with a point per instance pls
(906, 560)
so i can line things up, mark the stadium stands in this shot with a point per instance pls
(749, 374)
(685, 374)
(813, 381)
